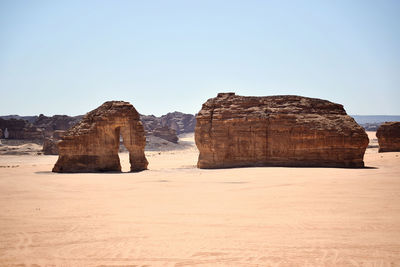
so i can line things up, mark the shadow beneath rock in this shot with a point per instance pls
(370, 167)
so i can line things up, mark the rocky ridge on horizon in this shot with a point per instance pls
(160, 131)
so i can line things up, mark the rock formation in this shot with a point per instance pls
(50, 145)
(56, 122)
(389, 136)
(20, 129)
(180, 122)
(92, 144)
(238, 131)
(166, 133)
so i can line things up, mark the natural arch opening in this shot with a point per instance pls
(93, 144)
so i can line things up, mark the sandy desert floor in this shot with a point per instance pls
(177, 215)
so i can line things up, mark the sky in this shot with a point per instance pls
(68, 57)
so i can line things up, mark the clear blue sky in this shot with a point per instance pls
(68, 57)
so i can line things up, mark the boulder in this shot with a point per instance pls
(166, 133)
(92, 144)
(50, 146)
(239, 131)
(389, 136)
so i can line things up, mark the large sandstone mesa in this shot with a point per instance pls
(389, 136)
(239, 131)
(92, 144)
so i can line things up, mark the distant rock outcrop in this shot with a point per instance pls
(389, 136)
(180, 122)
(238, 131)
(166, 133)
(92, 144)
(56, 122)
(20, 129)
(50, 145)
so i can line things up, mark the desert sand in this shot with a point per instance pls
(177, 215)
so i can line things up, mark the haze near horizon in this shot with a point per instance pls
(69, 57)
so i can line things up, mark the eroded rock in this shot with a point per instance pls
(166, 133)
(92, 144)
(389, 136)
(20, 129)
(54, 123)
(239, 131)
(50, 145)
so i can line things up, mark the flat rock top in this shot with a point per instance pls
(312, 113)
(391, 128)
(252, 106)
(391, 124)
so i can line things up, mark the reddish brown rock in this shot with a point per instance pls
(238, 131)
(92, 144)
(389, 136)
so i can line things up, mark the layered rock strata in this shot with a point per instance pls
(20, 129)
(389, 136)
(239, 131)
(92, 144)
(57, 122)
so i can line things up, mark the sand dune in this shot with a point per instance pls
(177, 215)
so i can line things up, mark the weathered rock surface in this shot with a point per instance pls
(92, 144)
(238, 131)
(166, 133)
(56, 122)
(180, 122)
(50, 145)
(20, 129)
(389, 136)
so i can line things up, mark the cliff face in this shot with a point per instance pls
(56, 122)
(389, 136)
(92, 144)
(236, 131)
(19, 129)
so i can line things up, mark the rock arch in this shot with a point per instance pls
(92, 144)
